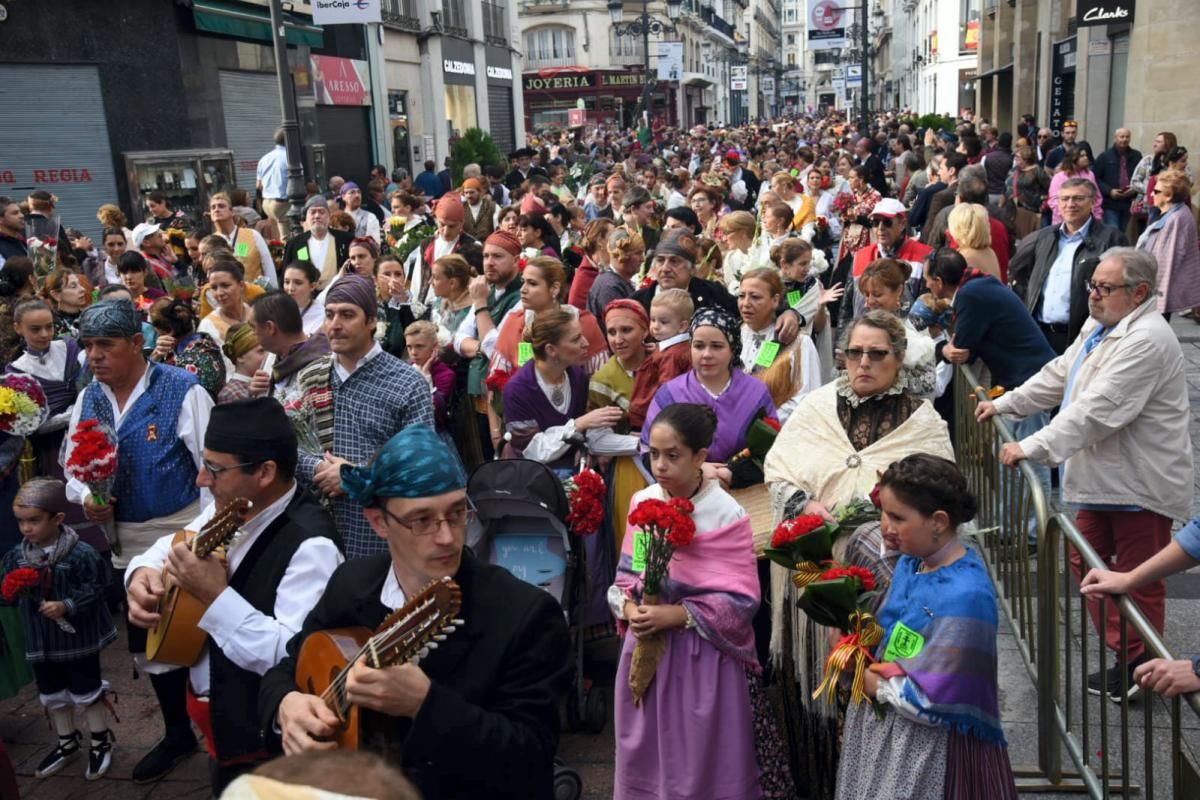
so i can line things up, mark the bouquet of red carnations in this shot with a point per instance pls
(586, 494)
(30, 581)
(662, 526)
(803, 545)
(840, 598)
(93, 461)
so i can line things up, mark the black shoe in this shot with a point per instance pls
(99, 755)
(163, 758)
(1110, 682)
(68, 748)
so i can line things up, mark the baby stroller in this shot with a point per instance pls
(522, 511)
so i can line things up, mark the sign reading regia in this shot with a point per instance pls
(1104, 12)
(340, 12)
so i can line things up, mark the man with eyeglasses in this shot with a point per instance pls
(1121, 436)
(1050, 272)
(476, 717)
(159, 414)
(259, 593)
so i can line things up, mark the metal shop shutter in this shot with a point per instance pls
(250, 101)
(500, 117)
(72, 160)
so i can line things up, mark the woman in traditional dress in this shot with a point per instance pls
(703, 727)
(300, 282)
(449, 278)
(855, 212)
(789, 373)
(181, 345)
(541, 286)
(829, 453)
(940, 736)
(739, 246)
(625, 255)
(593, 262)
(717, 381)
(67, 293)
(227, 281)
(546, 399)
(883, 286)
(242, 348)
(536, 233)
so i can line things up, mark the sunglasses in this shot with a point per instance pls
(856, 354)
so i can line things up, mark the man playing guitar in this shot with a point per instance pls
(278, 566)
(478, 716)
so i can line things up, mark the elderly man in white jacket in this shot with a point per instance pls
(1121, 436)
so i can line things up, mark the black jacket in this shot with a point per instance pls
(704, 293)
(489, 726)
(1107, 170)
(11, 246)
(1030, 267)
(234, 695)
(341, 245)
(992, 322)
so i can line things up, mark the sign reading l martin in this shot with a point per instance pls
(1104, 12)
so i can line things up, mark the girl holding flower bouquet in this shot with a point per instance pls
(701, 728)
(58, 583)
(936, 670)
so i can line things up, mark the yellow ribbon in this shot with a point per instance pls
(865, 634)
(806, 572)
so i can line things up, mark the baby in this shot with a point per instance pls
(670, 317)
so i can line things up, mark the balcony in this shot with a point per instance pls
(542, 5)
(401, 14)
(718, 24)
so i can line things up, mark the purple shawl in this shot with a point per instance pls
(527, 410)
(716, 579)
(736, 408)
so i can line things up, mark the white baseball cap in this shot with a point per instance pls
(143, 230)
(887, 207)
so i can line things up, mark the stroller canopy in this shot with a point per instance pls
(517, 487)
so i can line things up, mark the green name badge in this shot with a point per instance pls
(903, 643)
(641, 543)
(766, 356)
(524, 353)
(241, 250)
(794, 297)
(302, 254)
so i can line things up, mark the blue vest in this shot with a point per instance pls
(155, 472)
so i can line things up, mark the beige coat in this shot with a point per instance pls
(1124, 433)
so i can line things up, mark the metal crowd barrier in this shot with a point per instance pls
(1146, 747)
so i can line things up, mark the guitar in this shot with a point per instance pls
(177, 638)
(326, 657)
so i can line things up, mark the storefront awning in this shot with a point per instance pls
(997, 71)
(250, 22)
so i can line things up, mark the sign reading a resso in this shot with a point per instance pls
(1104, 12)
(583, 80)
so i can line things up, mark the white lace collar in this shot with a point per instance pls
(855, 400)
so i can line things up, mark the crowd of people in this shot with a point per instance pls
(643, 303)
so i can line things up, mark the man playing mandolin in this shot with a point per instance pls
(478, 716)
(284, 552)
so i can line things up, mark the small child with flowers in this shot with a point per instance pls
(58, 583)
(695, 722)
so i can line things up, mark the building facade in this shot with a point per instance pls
(576, 70)
(1088, 61)
(925, 55)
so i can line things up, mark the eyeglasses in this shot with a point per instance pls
(856, 354)
(1103, 289)
(1159, 191)
(425, 525)
(214, 471)
(885, 222)
(1071, 199)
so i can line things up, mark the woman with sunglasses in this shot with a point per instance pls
(847, 431)
(1171, 239)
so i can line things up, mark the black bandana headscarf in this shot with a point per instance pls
(726, 323)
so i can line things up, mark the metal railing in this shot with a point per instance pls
(1039, 595)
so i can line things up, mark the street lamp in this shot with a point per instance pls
(643, 26)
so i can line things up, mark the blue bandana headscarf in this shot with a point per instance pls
(416, 462)
(110, 318)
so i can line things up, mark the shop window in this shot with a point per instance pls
(550, 47)
(460, 109)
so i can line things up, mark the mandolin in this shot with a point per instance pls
(326, 657)
(177, 638)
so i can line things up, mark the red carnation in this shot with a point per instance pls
(772, 423)
(864, 576)
(18, 581)
(790, 530)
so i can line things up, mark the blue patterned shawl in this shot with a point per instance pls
(953, 680)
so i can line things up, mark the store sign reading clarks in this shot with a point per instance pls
(1104, 12)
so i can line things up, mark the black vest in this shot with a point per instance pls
(233, 693)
